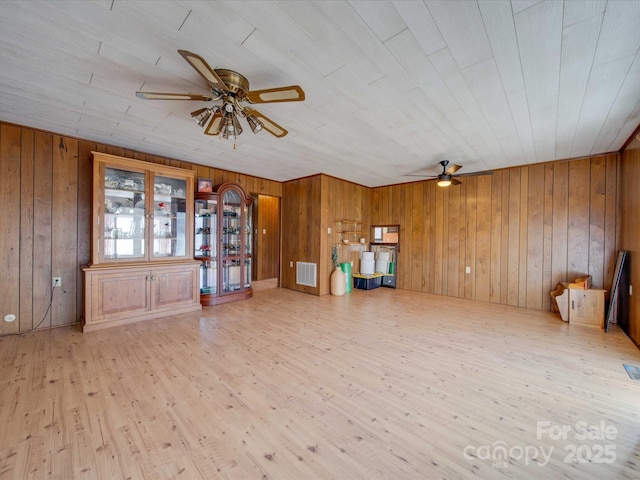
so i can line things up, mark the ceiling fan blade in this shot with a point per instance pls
(455, 181)
(214, 124)
(202, 67)
(452, 169)
(475, 174)
(282, 94)
(267, 124)
(172, 96)
(422, 176)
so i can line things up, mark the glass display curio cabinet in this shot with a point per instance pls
(223, 243)
(142, 264)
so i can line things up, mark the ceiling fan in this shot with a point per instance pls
(232, 89)
(448, 177)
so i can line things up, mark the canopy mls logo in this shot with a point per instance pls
(589, 443)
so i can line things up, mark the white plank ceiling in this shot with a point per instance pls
(392, 87)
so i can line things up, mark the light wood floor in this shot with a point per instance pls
(381, 384)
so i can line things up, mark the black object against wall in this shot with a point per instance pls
(618, 281)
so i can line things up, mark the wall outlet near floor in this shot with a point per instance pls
(57, 281)
(290, 264)
(467, 270)
(630, 290)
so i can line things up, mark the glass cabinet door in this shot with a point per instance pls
(248, 243)
(206, 225)
(231, 241)
(169, 217)
(124, 214)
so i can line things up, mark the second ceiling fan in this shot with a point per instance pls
(232, 89)
(448, 176)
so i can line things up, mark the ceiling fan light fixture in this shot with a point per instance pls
(231, 89)
(237, 128)
(254, 123)
(444, 180)
(201, 116)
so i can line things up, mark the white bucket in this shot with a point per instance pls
(367, 266)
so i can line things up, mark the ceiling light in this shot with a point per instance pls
(201, 116)
(444, 180)
(254, 123)
(237, 129)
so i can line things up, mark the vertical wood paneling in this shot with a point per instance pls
(429, 236)
(535, 236)
(504, 241)
(560, 247)
(483, 239)
(511, 228)
(496, 237)
(453, 242)
(10, 226)
(578, 228)
(522, 269)
(471, 237)
(85, 183)
(462, 240)
(417, 251)
(611, 220)
(596, 221)
(26, 229)
(42, 224)
(64, 229)
(439, 241)
(547, 249)
(513, 274)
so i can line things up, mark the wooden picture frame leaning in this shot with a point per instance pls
(205, 185)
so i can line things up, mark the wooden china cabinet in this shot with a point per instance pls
(223, 243)
(142, 263)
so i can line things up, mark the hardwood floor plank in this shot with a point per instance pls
(380, 384)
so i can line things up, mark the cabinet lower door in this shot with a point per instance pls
(171, 287)
(117, 295)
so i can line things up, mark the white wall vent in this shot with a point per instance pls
(306, 274)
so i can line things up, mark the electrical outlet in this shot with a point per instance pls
(57, 281)
(290, 264)
(630, 290)
(467, 270)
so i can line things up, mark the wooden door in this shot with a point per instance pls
(267, 238)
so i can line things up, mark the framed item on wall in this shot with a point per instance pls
(205, 185)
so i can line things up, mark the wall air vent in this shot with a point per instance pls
(306, 274)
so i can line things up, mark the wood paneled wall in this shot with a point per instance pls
(301, 221)
(630, 227)
(311, 206)
(342, 200)
(521, 231)
(267, 230)
(45, 200)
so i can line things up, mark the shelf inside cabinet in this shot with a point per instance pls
(352, 231)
